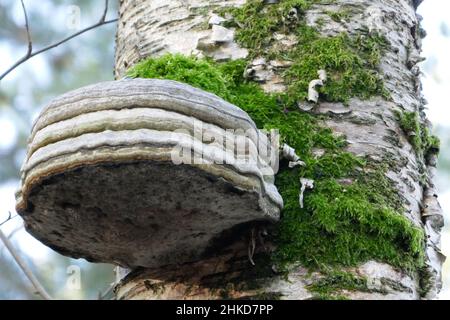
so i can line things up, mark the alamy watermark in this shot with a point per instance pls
(243, 149)
(73, 281)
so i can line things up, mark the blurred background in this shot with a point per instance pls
(90, 58)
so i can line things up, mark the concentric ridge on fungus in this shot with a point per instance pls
(99, 176)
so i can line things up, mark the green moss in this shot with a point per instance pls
(340, 15)
(345, 225)
(427, 281)
(418, 134)
(409, 122)
(328, 287)
(198, 73)
(320, 22)
(351, 73)
(267, 296)
(354, 213)
(430, 143)
(351, 63)
(256, 22)
(341, 224)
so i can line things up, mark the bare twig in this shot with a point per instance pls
(105, 11)
(23, 266)
(27, 27)
(7, 219)
(30, 52)
(10, 217)
(11, 235)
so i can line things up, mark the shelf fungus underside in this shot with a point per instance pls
(100, 181)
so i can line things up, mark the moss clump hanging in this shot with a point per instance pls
(418, 135)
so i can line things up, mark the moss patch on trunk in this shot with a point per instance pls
(351, 62)
(342, 223)
(354, 213)
(330, 286)
(418, 135)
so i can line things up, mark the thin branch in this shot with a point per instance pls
(23, 266)
(11, 235)
(7, 219)
(27, 27)
(10, 217)
(70, 37)
(105, 11)
(31, 54)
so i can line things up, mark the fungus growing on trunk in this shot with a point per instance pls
(144, 172)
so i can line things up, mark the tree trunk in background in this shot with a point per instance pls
(154, 27)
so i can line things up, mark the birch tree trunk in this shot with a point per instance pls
(371, 127)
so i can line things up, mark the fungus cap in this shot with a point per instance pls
(138, 172)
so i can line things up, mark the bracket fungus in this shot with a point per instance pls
(140, 172)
